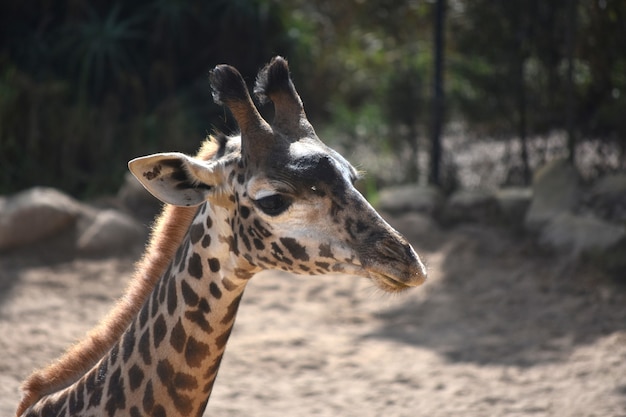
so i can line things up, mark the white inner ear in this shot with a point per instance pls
(170, 183)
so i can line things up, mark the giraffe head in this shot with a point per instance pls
(288, 201)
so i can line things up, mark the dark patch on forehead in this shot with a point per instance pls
(319, 173)
(313, 169)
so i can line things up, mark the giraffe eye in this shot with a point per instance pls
(273, 204)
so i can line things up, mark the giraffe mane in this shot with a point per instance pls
(166, 236)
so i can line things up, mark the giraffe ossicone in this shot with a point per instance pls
(273, 197)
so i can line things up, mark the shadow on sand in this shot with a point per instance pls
(498, 301)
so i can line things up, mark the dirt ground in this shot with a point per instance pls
(498, 330)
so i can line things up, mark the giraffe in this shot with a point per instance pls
(272, 197)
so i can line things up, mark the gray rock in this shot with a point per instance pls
(136, 200)
(109, 232)
(611, 260)
(417, 228)
(555, 190)
(471, 205)
(573, 235)
(513, 203)
(607, 198)
(410, 198)
(610, 187)
(35, 214)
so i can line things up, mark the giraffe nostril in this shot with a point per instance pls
(395, 250)
(398, 262)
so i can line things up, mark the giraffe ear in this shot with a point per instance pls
(178, 179)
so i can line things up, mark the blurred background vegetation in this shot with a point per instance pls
(86, 85)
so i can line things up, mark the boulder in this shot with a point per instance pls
(470, 205)
(607, 198)
(417, 228)
(410, 198)
(35, 214)
(135, 199)
(109, 232)
(513, 203)
(611, 187)
(574, 235)
(611, 260)
(555, 190)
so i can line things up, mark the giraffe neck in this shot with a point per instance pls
(169, 230)
(167, 359)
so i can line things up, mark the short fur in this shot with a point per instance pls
(167, 234)
(274, 78)
(227, 85)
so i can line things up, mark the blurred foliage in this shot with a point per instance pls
(86, 85)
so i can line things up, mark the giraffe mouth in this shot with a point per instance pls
(385, 278)
(388, 283)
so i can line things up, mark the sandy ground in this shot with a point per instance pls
(498, 330)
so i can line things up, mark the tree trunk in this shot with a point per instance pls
(570, 35)
(438, 95)
(522, 126)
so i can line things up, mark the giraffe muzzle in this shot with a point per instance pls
(393, 265)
